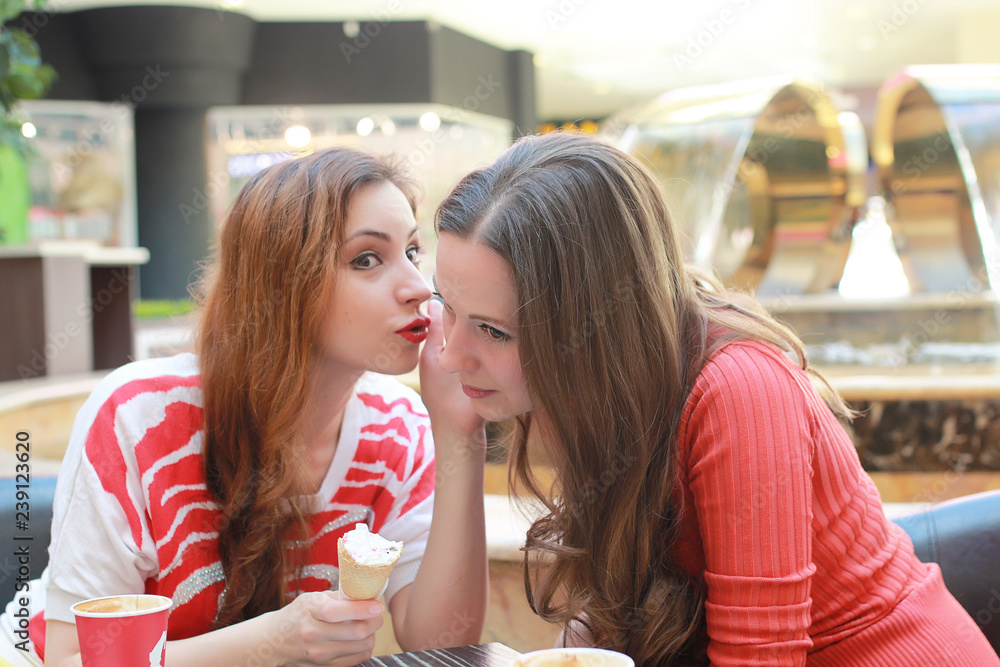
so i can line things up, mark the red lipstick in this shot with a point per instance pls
(416, 331)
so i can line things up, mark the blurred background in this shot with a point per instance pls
(596, 57)
(841, 160)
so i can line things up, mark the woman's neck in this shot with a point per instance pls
(324, 417)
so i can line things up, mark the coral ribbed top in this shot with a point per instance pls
(787, 531)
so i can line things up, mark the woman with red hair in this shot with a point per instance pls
(223, 479)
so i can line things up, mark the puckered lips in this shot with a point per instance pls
(416, 331)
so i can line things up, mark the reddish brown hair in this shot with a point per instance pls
(265, 300)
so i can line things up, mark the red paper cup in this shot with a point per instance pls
(122, 630)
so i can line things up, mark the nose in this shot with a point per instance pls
(413, 288)
(456, 355)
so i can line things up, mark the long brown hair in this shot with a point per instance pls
(265, 299)
(613, 329)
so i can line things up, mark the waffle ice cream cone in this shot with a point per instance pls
(366, 560)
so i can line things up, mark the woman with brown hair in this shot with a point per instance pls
(224, 479)
(707, 504)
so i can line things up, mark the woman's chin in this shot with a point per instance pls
(397, 369)
(401, 365)
(494, 413)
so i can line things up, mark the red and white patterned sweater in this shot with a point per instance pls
(133, 514)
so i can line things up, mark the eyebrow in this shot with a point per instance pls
(379, 235)
(473, 316)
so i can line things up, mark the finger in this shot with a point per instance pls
(435, 335)
(346, 631)
(353, 659)
(330, 608)
(344, 653)
(434, 344)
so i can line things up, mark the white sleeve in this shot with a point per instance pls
(409, 519)
(96, 515)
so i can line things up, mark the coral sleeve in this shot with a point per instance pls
(749, 470)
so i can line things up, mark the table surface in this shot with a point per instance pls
(480, 655)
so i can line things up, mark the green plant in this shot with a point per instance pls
(23, 75)
(150, 309)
